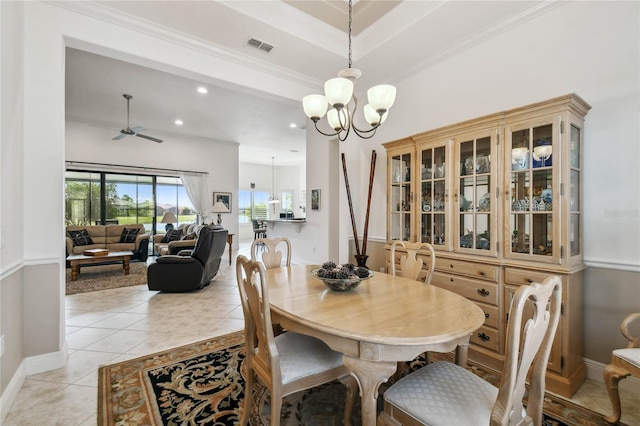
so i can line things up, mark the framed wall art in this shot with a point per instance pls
(315, 199)
(224, 197)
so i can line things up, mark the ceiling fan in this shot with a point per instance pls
(133, 132)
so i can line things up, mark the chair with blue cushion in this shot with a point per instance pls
(289, 362)
(443, 393)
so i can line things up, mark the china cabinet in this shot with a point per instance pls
(500, 199)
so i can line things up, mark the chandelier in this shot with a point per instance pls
(339, 94)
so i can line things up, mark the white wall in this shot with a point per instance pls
(219, 159)
(557, 53)
(11, 196)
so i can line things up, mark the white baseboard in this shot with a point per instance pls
(46, 362)
(595, 371)
(11, 391)
(28, 366)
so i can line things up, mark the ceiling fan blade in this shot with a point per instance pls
(138, 129)
(120, 136)
(149, 137)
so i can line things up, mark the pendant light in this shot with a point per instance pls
(339, 94)
(273, 199)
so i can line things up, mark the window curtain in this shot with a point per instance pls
(197, 189)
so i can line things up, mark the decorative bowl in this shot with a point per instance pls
(340, 284)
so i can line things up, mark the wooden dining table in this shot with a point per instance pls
(384, 320)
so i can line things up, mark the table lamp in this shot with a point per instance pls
(219, 207)
(169, 218)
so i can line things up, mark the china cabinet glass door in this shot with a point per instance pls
(575, 169)
(477, 223)
(533, 191)
(432, 211)
(400, 196)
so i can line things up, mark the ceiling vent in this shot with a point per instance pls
(260, 45)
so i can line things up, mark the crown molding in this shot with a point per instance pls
(134, 23)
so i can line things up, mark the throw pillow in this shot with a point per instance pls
(172, 235)
(129, 235)
(81, 237)
(189, 236)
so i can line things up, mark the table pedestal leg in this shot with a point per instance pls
(370, 374)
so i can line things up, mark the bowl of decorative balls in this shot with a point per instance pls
(341, 277)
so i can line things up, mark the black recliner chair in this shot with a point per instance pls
(177, 273)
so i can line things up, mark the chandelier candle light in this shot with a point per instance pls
(339, 93)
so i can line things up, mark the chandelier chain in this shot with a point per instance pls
(349, 34)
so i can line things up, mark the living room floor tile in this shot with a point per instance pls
(79, 364)
(86, 336)
(119, 320)
(119, 342)
(88, 318)
(69, 406)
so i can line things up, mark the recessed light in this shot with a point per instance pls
(178, 122)
(202, 90)
(293, 125)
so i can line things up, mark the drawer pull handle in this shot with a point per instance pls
(451, 265)
(484, 337)
(482, 273)
(486, 315)
(451, 279)
(529, 280)
(484, 293)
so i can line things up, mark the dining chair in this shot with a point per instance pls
(444, 393)
(410, 264)
(411, 268)
(289, 362)
(272, 257)
(624, 363)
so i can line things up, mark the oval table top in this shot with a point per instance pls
(383, 309)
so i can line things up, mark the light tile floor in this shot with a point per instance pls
(115, 325)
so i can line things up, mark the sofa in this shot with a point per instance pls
(111, 237)
(182, 238)
(192, 269)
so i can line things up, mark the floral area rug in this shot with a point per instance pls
(102, 277)
(202, 384)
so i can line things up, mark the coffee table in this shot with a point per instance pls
(77, 260)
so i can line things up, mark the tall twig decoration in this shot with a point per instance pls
(372, 171)
(353, 219)
(361, 257)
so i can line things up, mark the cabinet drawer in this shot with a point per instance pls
(469, 269)
(486, 337)
(524, 276)
(490, 314)
(480, 291)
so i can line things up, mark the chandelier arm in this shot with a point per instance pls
(315, 123)
(361, 133)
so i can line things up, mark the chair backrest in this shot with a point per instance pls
(262, 353)
(411, 265)
(533, 320)
(209, 248)
(271, 256)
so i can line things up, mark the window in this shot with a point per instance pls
(252, 205)
(92, 198)
(82, 198)
(287, 201)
